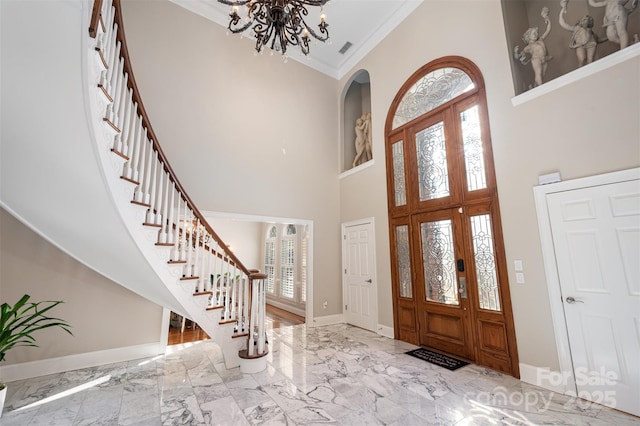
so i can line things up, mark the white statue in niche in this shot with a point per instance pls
(583, 40)
(535, 51)
(615, 19)
(363, 139)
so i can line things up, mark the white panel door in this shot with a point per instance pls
(359, 275)
(596, 236)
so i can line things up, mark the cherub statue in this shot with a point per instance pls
(615, 19)
(583, 40)
(535, 51)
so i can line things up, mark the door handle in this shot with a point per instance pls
(463, 287)
(368, 281)
(571, 300)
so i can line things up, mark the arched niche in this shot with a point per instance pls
(356, 103)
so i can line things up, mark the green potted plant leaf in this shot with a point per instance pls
(19, 322)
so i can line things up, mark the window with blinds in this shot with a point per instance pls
(287, 264)
(270, 260)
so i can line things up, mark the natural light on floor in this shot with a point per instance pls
(68, 392)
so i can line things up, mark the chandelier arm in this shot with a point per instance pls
(278, 23)
(235, 2)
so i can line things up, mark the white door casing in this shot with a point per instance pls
(590, 230)
(359, 274)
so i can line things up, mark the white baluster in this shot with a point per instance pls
(175, 252)
(118, 139)
(121, 142)
(261, 310)
(136, 127)
(163, 190)
(245, 303)
(168, 212)
(154, 208)
(227, 289)
(253, 323)
(183, 245)
(140, 195)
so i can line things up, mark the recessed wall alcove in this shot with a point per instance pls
(356, 103)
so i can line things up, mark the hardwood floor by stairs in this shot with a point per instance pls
(275, 318)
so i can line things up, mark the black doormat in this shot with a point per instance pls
(437, 359)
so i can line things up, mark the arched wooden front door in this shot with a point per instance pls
(450, 289)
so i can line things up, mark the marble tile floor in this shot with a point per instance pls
(335, 374)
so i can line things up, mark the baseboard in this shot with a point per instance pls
(27, 370)
(327, 320)
(288, 308)
(385, 331)
(543, 377)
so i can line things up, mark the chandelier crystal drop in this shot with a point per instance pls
(277, 23)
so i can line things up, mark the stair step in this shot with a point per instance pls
(135, 182)
(243, 334)
(113, 126)
(118, 153)
(138, 203)
(175, 262)
(202, 293)
(211, 308)
(229, 321)
(166, 245)
(155, 225)
(189, 278)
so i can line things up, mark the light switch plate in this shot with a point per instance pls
(519, 277)
(517, 265)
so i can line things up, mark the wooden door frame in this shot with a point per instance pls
(568, 384)
(374, 276)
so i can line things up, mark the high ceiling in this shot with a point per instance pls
(363, 23)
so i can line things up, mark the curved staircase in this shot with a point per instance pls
(135, 222)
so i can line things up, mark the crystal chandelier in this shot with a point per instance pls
(277, 23)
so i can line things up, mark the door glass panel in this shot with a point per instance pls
(485, 261)
(473, 151)
(432, 90)
(438, 261)
(433, 176)
(404, 262)
(398, 174)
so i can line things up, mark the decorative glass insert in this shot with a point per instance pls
(473, 149)
(404, 261)
(399, 183)
(273, 232)
(431, 91)
(485, 261)
(439, 262)
(433, 176)
(291, 229)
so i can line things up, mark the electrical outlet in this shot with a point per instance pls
(520, 277)
(325, 304)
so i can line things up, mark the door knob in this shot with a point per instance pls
(571, 300)
(368, 281)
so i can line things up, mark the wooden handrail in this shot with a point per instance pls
(124, 54)
(95, 18)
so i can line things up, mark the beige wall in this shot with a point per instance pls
(588, 127)
(103, 315)
(262, 134)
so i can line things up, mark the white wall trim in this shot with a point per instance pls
(551, 268)
(326, 320)
(385, 331)
(609, 61)
(27, 370)
(285, 306)
(543, 377)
